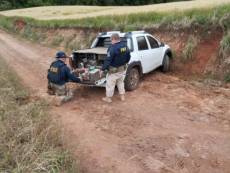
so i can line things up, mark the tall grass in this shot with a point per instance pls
(189, 49)
(225, 45)
(225, 54)
(29, 143)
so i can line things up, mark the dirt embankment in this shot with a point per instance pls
(166, 125)
(204, 60)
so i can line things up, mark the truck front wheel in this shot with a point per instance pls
(132, 79)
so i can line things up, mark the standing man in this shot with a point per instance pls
(118, 56)
(58, 75)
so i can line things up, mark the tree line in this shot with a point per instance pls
(12, 4)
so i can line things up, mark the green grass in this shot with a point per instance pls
(30, 143)
(200, 17)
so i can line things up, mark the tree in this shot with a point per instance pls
(5, 5)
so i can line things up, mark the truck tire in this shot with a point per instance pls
(132, 79)
(166, 64)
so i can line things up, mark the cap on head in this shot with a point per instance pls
(61, 54)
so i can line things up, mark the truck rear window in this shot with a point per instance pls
(106, 42)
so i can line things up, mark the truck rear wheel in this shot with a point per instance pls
(132, 79)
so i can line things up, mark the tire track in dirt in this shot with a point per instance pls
(167, 125)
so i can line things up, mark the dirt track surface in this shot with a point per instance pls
(167, 125)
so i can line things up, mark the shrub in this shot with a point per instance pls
(188, 51)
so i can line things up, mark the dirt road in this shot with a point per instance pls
(166, 126)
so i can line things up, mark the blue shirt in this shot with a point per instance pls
(59, 73)
(118, 54)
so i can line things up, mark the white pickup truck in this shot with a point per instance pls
(147, 54)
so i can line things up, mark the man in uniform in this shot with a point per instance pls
(118, 56)
(58, 75)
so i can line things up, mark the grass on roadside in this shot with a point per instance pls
(29, 141)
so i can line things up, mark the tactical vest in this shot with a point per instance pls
(54, 73)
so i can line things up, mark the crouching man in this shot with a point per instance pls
(58, 75)
(118, 56)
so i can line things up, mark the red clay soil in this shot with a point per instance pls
(167, 125)
(204, 55)
(206, 50)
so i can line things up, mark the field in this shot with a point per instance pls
(78, 12)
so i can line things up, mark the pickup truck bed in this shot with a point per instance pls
(91, 60)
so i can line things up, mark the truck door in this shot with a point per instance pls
(155, 52)
(145, 54)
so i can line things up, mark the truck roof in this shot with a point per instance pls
(121, 34)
